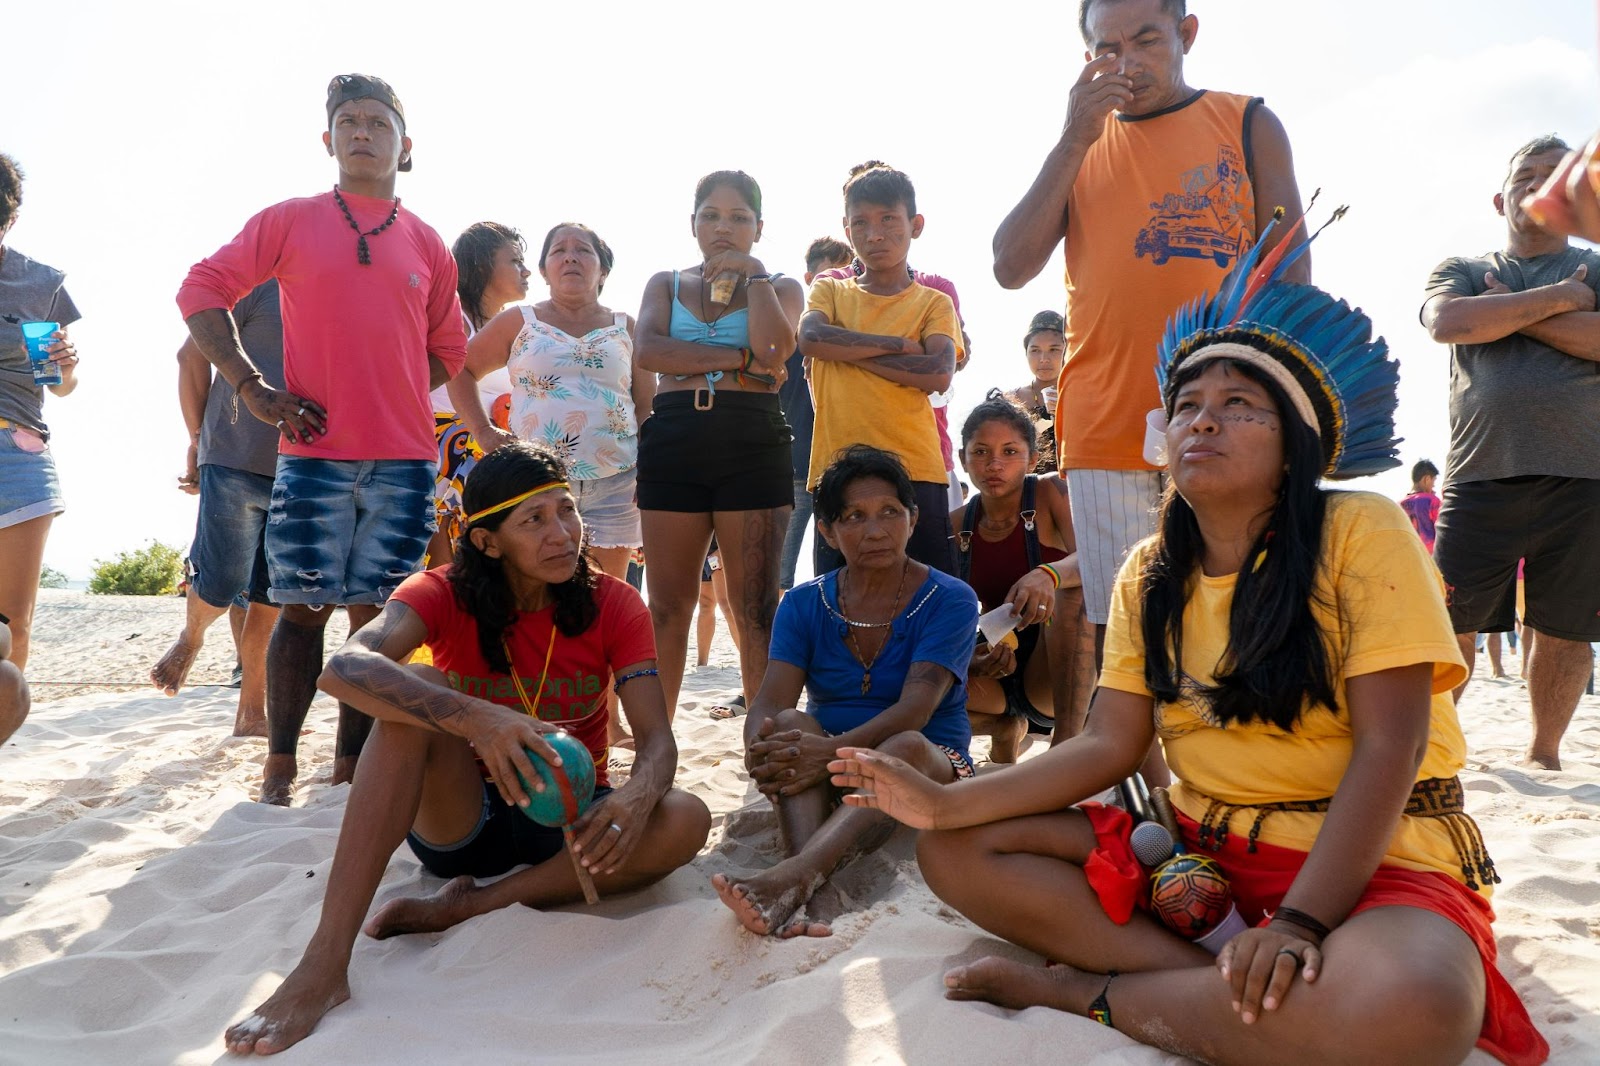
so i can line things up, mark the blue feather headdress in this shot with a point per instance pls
(1319, 350)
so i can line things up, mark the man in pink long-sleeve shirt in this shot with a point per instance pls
(371, 324)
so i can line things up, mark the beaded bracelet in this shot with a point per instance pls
(1301, 919)
(625, 678)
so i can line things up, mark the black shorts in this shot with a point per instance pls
(503, 838)
(1552, 522)
(734, 456)
(931, 543)
(1016, 688)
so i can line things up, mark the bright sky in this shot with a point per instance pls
(150, 132)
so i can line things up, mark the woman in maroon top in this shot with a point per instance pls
(1015, 545)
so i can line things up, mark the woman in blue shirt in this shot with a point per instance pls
(880, 647)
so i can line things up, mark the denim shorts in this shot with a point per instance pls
(229, 554)
(347, 530)
(606, 505)
(29, 487)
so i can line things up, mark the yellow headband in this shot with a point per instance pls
(549, 486)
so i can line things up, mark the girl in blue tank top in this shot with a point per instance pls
(714, 454)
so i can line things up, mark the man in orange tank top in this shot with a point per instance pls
(1158, 189)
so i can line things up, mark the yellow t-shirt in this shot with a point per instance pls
(1380, 603)
(855, 406)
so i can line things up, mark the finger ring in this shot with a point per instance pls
(617, 827)
(1292, 953)
(280, 423)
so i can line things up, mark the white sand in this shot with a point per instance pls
(146, 903)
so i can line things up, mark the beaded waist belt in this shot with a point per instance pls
(1435, 797)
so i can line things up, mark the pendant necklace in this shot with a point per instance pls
(711, 326)
(852, 626)
(363, 254)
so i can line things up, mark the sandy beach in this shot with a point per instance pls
(146, 901)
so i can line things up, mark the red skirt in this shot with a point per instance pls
(1260, 881)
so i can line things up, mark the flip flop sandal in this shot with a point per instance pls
(732, 709)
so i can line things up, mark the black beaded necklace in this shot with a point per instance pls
(363, 254)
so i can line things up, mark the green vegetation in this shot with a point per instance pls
(154, 570)
(52, 579)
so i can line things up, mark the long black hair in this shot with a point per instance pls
(1276, 660)
(474, 253)
(480, 582)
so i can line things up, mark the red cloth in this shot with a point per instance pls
(1260, 881)
(356, 339)
(581, 667)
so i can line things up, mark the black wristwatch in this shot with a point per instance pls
(771, 279)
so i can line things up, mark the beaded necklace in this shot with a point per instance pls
(363, 254)
(852, 626)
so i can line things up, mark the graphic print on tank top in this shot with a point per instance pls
(1207, 220)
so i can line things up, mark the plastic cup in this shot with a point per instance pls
(1048, 396)
(723, 286)
(37, 336)
(1155, 437)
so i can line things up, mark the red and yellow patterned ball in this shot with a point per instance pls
(1190, 894)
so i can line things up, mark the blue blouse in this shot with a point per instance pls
(938, 625)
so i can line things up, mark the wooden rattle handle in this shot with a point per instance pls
(1161, 806)
(585, 881)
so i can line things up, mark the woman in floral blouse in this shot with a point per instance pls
(574, 387)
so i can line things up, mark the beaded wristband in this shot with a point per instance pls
(1301, 919)
(1100, 1009)
(625, 678)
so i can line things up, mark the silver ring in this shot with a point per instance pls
(280, 423)
(617, 827)
(301, 412)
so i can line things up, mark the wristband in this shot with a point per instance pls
(1302, 920)
(1055, 578)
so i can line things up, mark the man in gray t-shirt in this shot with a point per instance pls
(231, 460)
(1524, 463)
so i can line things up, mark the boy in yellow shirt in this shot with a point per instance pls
(879, 344)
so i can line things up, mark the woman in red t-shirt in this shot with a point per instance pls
(527, 638)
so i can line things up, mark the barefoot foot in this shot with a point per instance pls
(765, 903)
(1017, 986)
(1005, 742)
(819, 914)
(250, 723)
(1536, 761)
(172, 669)
(277, 780)
(424, 914)
(344, 769)
(309, 992)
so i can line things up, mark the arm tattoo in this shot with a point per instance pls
(918, 364)
(934, 676)
(216, 334)
(823, 333)
(391, 684)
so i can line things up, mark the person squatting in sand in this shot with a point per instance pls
(714, 455)
(371, 323)
(1297, 647)
(1014, 546)
(521, 617)
(880, 647)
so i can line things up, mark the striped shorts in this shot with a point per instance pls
(1112, 510)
